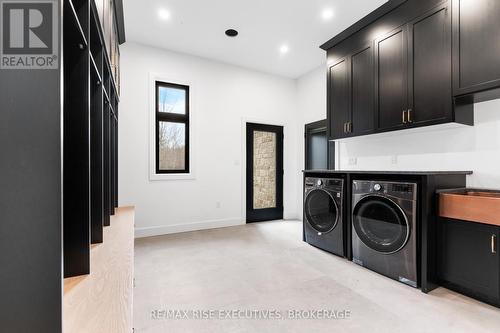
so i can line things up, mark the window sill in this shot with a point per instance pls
(171, 176)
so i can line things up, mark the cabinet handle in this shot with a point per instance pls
(493, 244)
(350, 127)
(409, 116)
(345, 128)
(404, 117)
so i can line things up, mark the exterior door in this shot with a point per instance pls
(264, 172)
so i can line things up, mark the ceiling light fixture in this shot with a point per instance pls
(284, 49)
(327, 14)
(164, 14)
(231, 33)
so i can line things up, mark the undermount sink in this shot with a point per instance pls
(475, 205)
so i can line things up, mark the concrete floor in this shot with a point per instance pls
(266, 266)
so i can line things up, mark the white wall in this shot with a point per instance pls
(311, 103)
(224, 96)
(474, 148)
(434, 148)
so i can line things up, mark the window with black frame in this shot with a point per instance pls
(172, 128)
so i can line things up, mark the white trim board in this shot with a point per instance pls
(195, 226)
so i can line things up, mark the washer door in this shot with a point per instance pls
(321, 211)
(381, 224)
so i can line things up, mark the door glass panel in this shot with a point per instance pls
(380, 224)
(321, 211)
(172, 145)
(264, 170)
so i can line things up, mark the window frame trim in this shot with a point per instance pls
(151, 130)
(172, 118)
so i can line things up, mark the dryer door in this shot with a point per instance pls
(321, 211)
(380, 224)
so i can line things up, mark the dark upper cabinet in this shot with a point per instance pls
(362, 91)
(351, 95)
(429, 84)
(476, 51)
(391, 79)
(468, 259)
(338, 103)
(399, 72)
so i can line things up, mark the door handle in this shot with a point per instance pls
(409, 116)
(404, 117)
(493, 244)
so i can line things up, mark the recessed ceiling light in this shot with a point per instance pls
(284, 49)
(231, 33)
(327, 14)
(164, 14)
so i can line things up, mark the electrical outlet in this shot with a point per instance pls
(394, 159)
(217, 204)
(353, 160)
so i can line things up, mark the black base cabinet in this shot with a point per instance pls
(468, 260)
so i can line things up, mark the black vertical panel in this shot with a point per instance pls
(430, 91)
(96, 126)
(106, 163)
(116, 155)
(111, 163)
(391, 78)
(76, 175)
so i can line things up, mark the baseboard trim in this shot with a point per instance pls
(178, 228)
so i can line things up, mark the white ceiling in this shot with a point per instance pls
(197, 27)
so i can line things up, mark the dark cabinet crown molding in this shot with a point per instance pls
(364, 22)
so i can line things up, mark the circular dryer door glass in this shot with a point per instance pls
(380, 224)
(321, 211)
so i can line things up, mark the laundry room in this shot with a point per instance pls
(250, 166)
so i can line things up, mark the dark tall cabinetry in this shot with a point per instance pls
(90, 140)
(412, 64)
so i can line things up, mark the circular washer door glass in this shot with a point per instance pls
(321, 211)
(380, 224)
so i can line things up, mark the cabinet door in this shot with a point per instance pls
(362, 92)
(429, 81)
(338, 99)
(468, 258)
(391, 79)
(476, 27)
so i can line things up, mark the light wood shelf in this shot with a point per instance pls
(102, 300)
